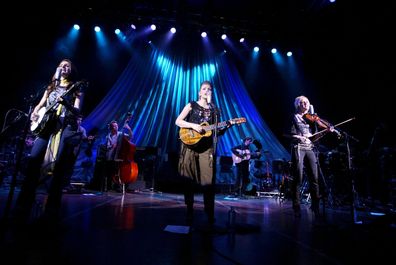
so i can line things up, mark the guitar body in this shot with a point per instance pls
(46, 123)
(191, 137)
(34, 124)
(236, 159)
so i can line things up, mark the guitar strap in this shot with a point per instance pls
(53, 146)
(56, 138)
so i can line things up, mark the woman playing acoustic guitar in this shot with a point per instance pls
(196, 161)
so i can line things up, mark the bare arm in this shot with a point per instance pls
(302, 139)
(41, 104)
(185, 124)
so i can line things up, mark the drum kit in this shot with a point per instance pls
(269, 175)
(8, 157)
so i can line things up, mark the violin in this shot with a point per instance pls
(314, 118)
(323, 124)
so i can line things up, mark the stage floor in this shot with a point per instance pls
(148, 227)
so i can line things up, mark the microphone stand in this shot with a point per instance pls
(327, 197)
(354, 194)
(20, 147)
(216, 119)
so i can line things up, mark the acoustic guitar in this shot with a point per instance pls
(246, 155)
(190, 137)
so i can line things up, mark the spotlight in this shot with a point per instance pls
(153, 27)
(133, 26)
(273, 50)
(256, 49)
(117, 31)
(289, 54)
(241, 40)
(204, 35)
(223, 37)
(76, 27)
(173, 30)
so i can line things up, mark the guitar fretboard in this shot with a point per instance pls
(211, 127)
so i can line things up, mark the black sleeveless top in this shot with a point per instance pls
(198, 115)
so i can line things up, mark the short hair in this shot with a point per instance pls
(298, 100)
(110, 123)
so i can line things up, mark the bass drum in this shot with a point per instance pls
(258, 169)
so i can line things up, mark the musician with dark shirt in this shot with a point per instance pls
(78, 138)
(61, 102)
(196, 161)
(241, 156)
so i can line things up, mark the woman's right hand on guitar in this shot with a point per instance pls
(198, 128)
(34, 116)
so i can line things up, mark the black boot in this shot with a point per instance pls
(190, 214)
(315, 207)
(297, 210)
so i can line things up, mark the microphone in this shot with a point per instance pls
(209, 100)
(58, 75)
(311, 110)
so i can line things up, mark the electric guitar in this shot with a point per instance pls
(45, 117)
(190, 137)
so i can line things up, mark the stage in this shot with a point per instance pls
(148, 227)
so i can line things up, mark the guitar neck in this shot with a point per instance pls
(211, 127)
(68, 91)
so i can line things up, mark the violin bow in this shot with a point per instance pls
(324, 130)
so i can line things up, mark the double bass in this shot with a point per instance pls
(127, 167)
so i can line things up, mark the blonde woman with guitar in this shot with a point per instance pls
(196, 160)
(59, 106)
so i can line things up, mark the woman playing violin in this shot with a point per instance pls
(303, 156)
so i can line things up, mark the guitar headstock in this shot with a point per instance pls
(237, 120)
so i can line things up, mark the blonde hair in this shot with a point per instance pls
(299, 99)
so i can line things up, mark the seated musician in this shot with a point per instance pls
(113, 147)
